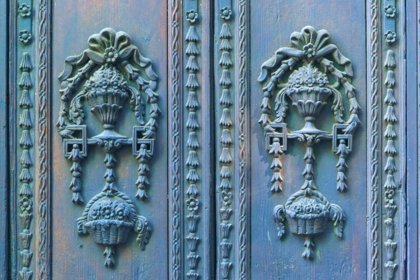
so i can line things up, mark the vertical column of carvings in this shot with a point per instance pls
(43, 126)
(390, 167)
(390, 136)
(174, 141)
(25, 177)
(25, 141)
(192, 161)
(242, 68)
(225, 159)
(373, 119)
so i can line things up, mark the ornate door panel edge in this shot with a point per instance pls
(412, 180)
(28, 111)
(387, 140)
(4, 172)
(191, 190)
(232, 130)
(393, 176)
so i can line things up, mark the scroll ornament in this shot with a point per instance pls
(105, 76)
(310, 73)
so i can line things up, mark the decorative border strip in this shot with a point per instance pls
(25, 104)
(373, 142)
(225, 159)
(174, 140)
(390, 135)
(243, 248)
(390, 167)
(192, 162)
(25, 177)
(44, 125)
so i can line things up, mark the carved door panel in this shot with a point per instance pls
(225, 139)
(311, 124)
(92, 114)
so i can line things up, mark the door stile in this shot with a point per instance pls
(232, 138)
(208, 152)
(412, 134)
(190, 140)
(175, 160)
(374, 58)
(12, 171)
(42, 12)
(4, 143)
(393, 140)
(243, 136)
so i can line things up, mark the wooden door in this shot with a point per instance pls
(209, 139)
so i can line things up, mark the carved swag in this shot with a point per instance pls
(309, 73)
(105, 76)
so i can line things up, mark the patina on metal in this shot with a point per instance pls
(110, 215)
(309, 89)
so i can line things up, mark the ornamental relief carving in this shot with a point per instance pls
(309, 74)
(106, 76)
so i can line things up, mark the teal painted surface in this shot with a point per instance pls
(334, 258)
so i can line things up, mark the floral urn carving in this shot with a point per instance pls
(308, 89)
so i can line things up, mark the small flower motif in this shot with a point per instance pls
(192, 16)
(121, 212)
(390, 11)
(309, 50)
(317, 209)
(24, 10)
(390, 37)
(107, 212)
(192, 204)
(298, 82)
(322, 82)
(110, 55)
(95, 213)
(310, 81)
(226, 198)
(308, 209)
(389, 194)
(225, 13)
(24, 36)
(25, 205)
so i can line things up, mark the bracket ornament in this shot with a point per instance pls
(309, 73)
(113, 71)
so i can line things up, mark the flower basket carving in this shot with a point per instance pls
(105, 76)
(317, 74)
(307, 216)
